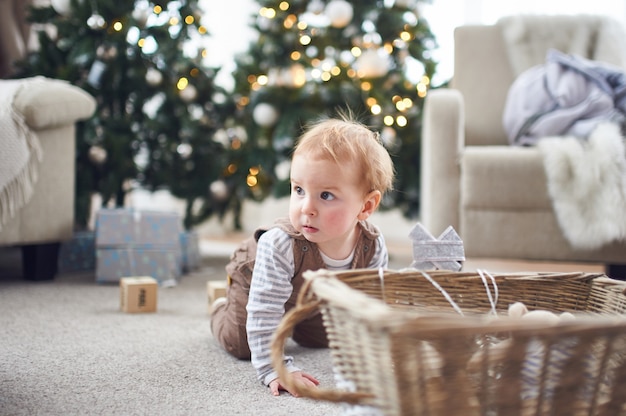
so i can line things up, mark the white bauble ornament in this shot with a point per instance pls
(282, 170)
(97, 155)
(62, 7)
(189, 93)
(219, 190)
(409, 4)
(315, 6)
(339, 12)
(141, 15)
(153, 77)
(95, 21)
(373, 63)
(184, 150)
(265, 115)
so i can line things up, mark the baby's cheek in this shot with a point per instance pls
(337, 220)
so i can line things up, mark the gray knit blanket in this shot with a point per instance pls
(20, 154)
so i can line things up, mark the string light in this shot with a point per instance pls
(189, 19)
(231, 169)
(290, 21)
(252, 180)
(117, 26)
(182, 83)
(267, 12)
(422, 86)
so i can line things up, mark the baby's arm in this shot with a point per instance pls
(299, 378)
(269, 291)
(381, 255)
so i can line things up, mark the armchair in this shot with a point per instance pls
(50, 108)
(496, 195)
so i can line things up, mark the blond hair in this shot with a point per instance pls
(346, 140)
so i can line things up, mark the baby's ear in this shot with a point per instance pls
(370, 203)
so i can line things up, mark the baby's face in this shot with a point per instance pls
(326, 201)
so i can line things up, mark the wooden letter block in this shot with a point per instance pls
(216, 289)
(138, 294)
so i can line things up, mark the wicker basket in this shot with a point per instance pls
(417, 343)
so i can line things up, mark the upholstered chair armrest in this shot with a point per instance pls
(48, 103)
(442, 142)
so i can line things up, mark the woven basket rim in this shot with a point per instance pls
(327, 287)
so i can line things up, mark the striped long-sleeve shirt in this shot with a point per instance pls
(270, 289)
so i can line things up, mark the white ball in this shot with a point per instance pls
(372, 63)
(409, 4)
(189, 93)
(62, 7)
(219, 190)
(97, 154)
(141, 15)
(153, 76)
(265, 115)
(339, 12)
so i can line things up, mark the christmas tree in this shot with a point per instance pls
(158, 106)
(314, 57)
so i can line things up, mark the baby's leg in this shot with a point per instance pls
(228, 320)
(311, 332)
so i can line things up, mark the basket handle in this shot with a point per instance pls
(284, 330)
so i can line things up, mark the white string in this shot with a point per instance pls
(445, 294)
(493, 302)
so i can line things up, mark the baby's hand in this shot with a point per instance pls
(299, 378)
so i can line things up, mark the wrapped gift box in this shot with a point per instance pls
(190, 245)
(79, 253)
(138, 243)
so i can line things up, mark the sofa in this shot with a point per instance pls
(494, 194)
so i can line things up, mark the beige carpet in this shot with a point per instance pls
(67, 349)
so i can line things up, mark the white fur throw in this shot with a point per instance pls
(587, 184)
(20, 154)
(528, 37)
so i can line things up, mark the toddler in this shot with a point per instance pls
(339, 173)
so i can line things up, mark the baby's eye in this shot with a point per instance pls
(297, 190)
(327, 196)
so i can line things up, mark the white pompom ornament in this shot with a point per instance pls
(265, 115)
(339, 13)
